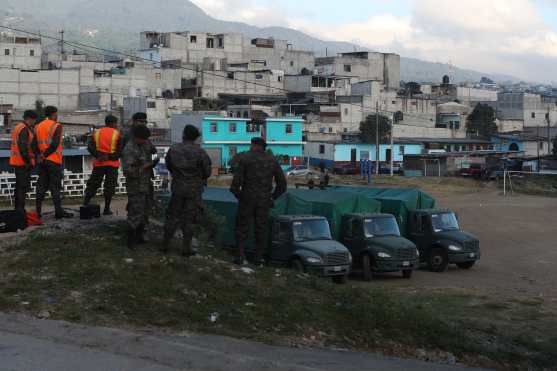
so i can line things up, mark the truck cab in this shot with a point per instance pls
(440, 241)
(304, 243)
(376, 245)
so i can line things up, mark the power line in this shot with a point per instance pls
(109, 52)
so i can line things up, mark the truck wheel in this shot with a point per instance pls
(407, 274)
(466, 265)
(366, 268)
(438, 260)
(341, 280)
(297, 265)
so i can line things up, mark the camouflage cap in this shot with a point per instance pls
(259, 141)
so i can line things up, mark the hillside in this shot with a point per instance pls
(116, 24)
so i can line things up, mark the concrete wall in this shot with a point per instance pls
(22, 89)
(22, 55)
(340, 152)
(264, 82)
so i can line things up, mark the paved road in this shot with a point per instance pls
(28, 344)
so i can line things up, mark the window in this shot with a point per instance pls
(6, 51)
(252, 128)
(259, 76)
(157, 76)
(288, 129)
(151, 104)
(214, 127)
(393, 102)
(32, 53)
(221, 42)
(321, 130)
(478, 148)
(291, 63)
(230, 75)
(210, 43)
(281, 231)
(232, 127)
(346, 112)
(541, 146)
(347, 68)
(321, 149)
(193, 39)
(401, 150)
(364, 155)
(533, 115)
(279, 78)
(330, 130)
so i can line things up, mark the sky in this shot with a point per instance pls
(515, 37)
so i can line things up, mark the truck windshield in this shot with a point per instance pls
(311, 230)
(380, 227)
(444, 222)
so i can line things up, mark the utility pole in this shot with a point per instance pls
(548, 119)
(538, 145)
(392, 142)
(377, 152)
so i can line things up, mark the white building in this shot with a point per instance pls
(20, 52)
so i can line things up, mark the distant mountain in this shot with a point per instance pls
(115, 24)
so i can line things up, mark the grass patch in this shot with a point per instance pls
(87, 276)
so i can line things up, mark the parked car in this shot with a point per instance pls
(386, 169)
(352, 168)
(298, 171)
(472, 170)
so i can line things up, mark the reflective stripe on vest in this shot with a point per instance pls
(15, 155)
(106, 141)
(45, 133)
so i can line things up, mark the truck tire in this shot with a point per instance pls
(407, 274)
(366, 268)
(438, 261)
(297, 266)
(466, 265)
(340, 280)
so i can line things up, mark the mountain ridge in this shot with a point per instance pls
(115, 24)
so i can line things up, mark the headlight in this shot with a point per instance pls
(313, 260)
(417, 253)
(455, 248)
(350, 258)
(383, 255)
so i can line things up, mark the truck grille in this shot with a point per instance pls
(337, 258)
(406, 254)
(472, 246)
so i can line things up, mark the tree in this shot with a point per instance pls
(368, 129)
(486, 80)
(481, 122)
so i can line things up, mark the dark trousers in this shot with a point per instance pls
(183, 212)
(22, 186)
(50, 179)
(256, 212)
(110, 176)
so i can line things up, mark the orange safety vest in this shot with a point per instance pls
(45, 132)
(106, 141)
(15, 157)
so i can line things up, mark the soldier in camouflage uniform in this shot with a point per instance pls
(190, 167)
(137, 165)
(253, 187)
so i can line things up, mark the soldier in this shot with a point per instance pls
(253, 187)
(105, 146)
(48, 135)
(22, 157)
(190, 167)
(137, 165)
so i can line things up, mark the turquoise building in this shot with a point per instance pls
(225, 137)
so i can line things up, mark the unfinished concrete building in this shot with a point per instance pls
(382, 67)
(20, 52)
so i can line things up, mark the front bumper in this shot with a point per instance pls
(329, 271)
(390, 265)
(464, 257)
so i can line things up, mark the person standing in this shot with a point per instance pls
(253, 187)
(105, 146)
(190, 167)
(137, 165)
(48, 135)
(22, 157)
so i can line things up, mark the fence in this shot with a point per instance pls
(73, 185)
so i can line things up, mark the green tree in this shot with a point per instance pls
(481, 122)
(368, 129)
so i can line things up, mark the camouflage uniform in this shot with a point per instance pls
(138, 182)
(253, 187)
(190, 167)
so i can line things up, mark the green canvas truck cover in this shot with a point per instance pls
(414, 198)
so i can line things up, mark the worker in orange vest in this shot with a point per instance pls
(106, 147)
(22, 157)
(48, 135)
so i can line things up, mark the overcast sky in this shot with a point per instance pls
(517, 37)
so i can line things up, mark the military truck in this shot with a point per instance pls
(376, 245)
(437, 234)
(304, 243)
(301, 242)
(373, 238)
